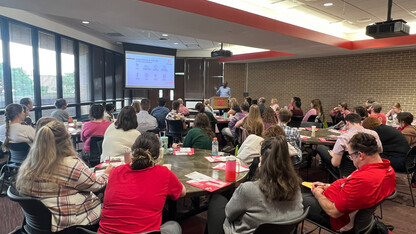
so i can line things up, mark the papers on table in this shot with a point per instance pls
(183, 151)
(335, 131)
(307, 184)
(325, 140)
(205, 182)
(240, 168)
(215, 159)
(302, 137)
(105, 164)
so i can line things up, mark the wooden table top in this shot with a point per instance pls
(185, 164)
(321, 133)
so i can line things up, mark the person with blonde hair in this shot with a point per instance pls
(316, 109)
(274, 195)
(208, 107)
(234, 107)
(253, 122)
(137, 192)
(395, 109)
(274, 105)
(53, 173)
(136, 106)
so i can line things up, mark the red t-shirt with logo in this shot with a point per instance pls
(364, 188)
(134, 199)
(381, 117)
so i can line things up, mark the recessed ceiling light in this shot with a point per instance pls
(328, 4)
(85, 22)
(175, 43)
(164, 35)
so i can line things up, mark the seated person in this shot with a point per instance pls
(334, 206)
(182, 108)
(61, 114)
(361, 111)
(339, 112)
(405, 120)
(395, 109)
(297, 110)
(208, 107)
(174, 114)
(145, 121)
(137, 192)
(274, 105)
(160, 113)
(136, 106)
(56, 176)
(395, 145)
(250, 148)
(375, 111)
(292, 134)
(212, 120)
(332, 158)
(316, 109)
(252, 121)
(96, 127)
(28, 120)
(261, 106)
(234, 107)
(13, 131)
(108, 114)
(201, 135)
(273, 197)
(121, 134)
(230, 131)
(269, 118)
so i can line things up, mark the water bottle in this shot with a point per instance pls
(215, 146)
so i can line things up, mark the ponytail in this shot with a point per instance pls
(12, 111)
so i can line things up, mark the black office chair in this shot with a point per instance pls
(410, 169)
(287, 227)
(175, 131)
(312, 118)
(295, 121)
(96, 149)
(305, 124)
(17, 154)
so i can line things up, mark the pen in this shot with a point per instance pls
(317, 185)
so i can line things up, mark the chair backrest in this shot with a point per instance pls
(310, 124)
(213, 123)
(18, 152)
(364, 220)
(281, 227)
(37, 215)
(346, 167)
(312, 118)
(243, 134)
(295, 121)
(175, 127)
(410, 159)
(96, 148)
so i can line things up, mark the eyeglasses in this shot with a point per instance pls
(350, 155)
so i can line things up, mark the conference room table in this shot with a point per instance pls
(323, 136)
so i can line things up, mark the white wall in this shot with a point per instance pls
(50, 25)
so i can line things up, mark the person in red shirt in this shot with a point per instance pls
(334, 206)
(136, 192)
(375, 111)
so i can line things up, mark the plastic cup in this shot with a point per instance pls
(75, 123)
(225, 115)
(313, 130)
(230, 168)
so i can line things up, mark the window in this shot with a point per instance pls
(97, 72)
(160, 93)
(109, 73)
(118, 106)
(84, 73)
(67, 66)
(85, 110)
(21, 62)
(119, 75)
(172, 95)
(2, 101)
(47, 68)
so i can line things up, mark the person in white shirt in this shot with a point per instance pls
(145, 121)
(14, 131)
(121, 134)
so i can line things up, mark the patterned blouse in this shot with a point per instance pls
(67, 192)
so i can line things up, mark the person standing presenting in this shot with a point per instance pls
(223, 91)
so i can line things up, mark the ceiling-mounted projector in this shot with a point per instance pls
(389, 28)
(221, 53)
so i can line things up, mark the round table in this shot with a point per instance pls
(185, 164)
(321, 133)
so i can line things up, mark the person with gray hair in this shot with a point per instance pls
(375, 111)
(260, 103)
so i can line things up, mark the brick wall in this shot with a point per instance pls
(387, 77)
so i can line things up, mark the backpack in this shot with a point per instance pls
(381, 228)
